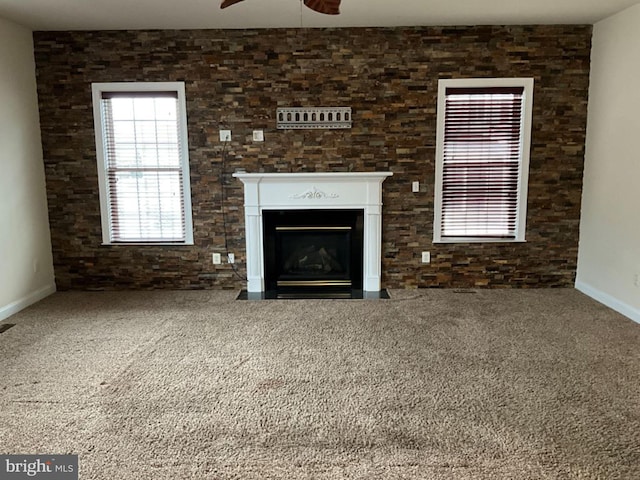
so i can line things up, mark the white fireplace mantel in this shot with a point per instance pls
(304, 191)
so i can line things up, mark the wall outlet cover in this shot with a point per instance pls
(258, 136)
(225, 135)
(426, 257)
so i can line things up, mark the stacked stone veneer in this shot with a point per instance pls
(236, 80)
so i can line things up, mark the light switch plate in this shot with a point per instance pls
(415, 187)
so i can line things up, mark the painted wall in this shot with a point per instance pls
(236, 79)
(609, 252)
(26, 265)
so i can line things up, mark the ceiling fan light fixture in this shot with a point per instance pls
(328, 7)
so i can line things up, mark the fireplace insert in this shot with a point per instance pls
(313, 252)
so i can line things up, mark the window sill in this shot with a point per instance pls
(147, 244)
(478, 240)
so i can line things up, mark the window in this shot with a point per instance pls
(143, 164)
(482, 159)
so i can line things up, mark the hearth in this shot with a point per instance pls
(313, 252)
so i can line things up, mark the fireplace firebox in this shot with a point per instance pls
(313, 252)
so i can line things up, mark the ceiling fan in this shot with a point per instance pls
(328, 7)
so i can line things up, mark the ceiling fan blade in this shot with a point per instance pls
(228, 3)
(328, 7)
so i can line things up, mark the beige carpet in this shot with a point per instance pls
(526, 384)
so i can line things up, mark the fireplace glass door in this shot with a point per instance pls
(314, 256)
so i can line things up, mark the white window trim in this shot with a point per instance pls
(97, 89)
(523, 178)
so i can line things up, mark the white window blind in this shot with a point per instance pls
(480, 175)
(144, 167)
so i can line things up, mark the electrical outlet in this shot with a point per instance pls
(258, 136)
(231, 258)
(216, 258)
(415, 187)
(225, 135)
(426, 257)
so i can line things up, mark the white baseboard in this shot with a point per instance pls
(22, 303)
(609, 301)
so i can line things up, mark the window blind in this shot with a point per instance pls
(482, 154)
(144, 173)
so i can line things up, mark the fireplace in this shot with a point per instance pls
(306, 205)
(313, 252)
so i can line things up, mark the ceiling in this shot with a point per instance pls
(187, 14)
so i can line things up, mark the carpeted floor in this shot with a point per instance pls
(433, 384)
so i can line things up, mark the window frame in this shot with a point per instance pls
(525, 149)
(97, 90)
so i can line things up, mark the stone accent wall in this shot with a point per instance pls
(236, 80)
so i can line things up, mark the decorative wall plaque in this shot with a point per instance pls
(314, 117)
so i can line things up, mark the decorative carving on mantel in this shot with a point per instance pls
(314, 194)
